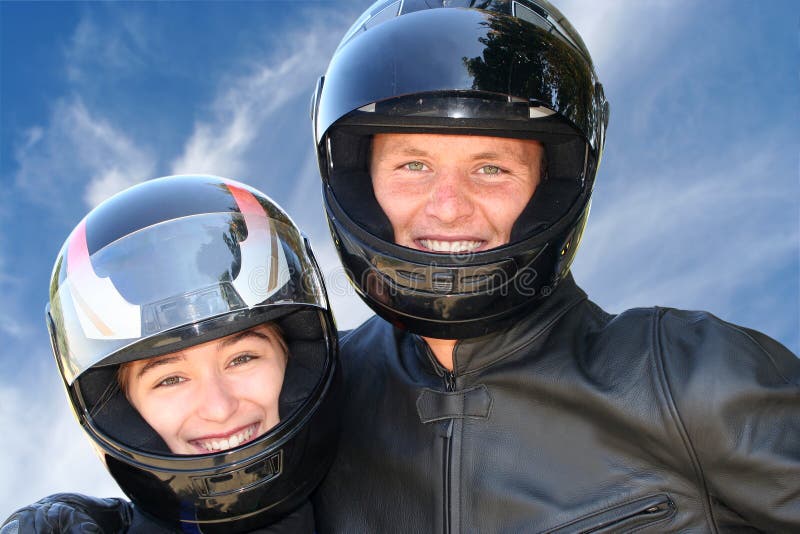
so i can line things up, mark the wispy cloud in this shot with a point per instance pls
(690, 210)
(48, 450)
(11, 326)
(78, 150)
(94, 47)
(665, 230)
(243, 110)
(684, 236)
(229, 143)
(613, 31)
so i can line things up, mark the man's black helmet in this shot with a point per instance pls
(172, 263)
(482, 67)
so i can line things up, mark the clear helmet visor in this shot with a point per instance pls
(173, 274)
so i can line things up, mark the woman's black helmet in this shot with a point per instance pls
(493, 67)
(168, 264)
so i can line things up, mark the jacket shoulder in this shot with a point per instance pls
(735, 393)
(368, 345)
(687, 341)
(373, 330)
(692, 340)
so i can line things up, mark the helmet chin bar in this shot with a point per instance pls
(235, 490)
(452, 296)
(444, 279)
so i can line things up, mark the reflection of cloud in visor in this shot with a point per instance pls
(105, 313)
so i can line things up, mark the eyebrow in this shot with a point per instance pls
(406, 150)
(155, 362)
(230, 340)
(511, 154)
(410, 150)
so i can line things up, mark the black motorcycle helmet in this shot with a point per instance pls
(172, 263)
(483, 67)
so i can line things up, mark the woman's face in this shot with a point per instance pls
(213, 396)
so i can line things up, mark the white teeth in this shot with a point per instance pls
(450, 246)
(215, 445)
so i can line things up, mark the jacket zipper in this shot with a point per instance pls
(450, 386)
(622, 518)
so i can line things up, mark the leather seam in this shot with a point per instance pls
(660, 365)
(764, 351)
(460, 473)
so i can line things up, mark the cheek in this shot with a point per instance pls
(164, 413)
(502, 207)
(263, 387)
(381, 191)
(398, 203)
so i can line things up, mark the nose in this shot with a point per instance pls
(450, 198)
(217, 401)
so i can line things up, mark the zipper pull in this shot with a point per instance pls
(449, 381)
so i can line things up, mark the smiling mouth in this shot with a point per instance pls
(460, 246)
(224, 443)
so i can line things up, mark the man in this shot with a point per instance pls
(458, 145)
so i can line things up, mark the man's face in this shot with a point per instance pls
(453, 193)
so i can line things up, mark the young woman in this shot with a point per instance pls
(189, 322)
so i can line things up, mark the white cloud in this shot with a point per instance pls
(92, 48)
(621, 32)
(44, 450)
(79, 149)
(689, 237)
(242, 111)
(246, 111)
(79, 153)
(11, 327)
(111, 181)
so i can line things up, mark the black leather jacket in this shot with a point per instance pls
(573, 420)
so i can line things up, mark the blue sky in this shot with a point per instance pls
(697, 203)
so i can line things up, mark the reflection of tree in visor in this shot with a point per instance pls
(169, 264)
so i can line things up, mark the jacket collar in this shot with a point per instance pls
(473, 354)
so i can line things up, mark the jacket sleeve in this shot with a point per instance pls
(70, 513)
(736, 399)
